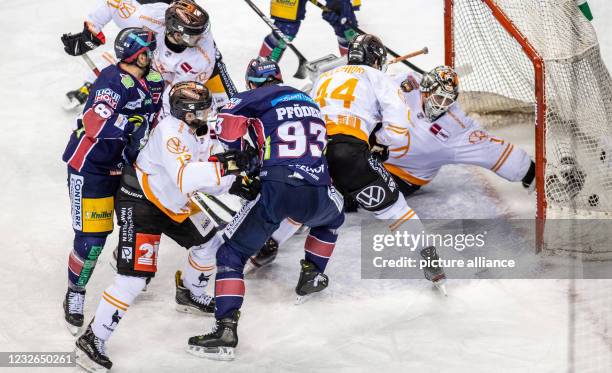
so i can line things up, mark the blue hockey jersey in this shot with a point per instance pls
(286, 126)
(103, 130)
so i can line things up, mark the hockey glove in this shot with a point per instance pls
(134, 123)
(380, 152)
(246, 188)
(341, 17)
(236, 161)
(83, 42)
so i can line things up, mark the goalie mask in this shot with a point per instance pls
(440, 89)
(190, 102)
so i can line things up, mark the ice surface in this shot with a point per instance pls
(357, 325)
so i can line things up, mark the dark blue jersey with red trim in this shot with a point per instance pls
(286, 126)
(103, 130)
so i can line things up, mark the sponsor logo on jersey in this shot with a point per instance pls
(231, 228)
(136, 104)
(146, 252)
(292, 97)
(76, 199)
(439, 132)
(371, 196)
(98, 214)
(232, 103)
(176, 146)
(126, 253)
(127, 225)
(107, 96)
(127, 81)
(186, 67)
(478, 136)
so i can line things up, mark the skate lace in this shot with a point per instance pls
(317, 279)
(100, 346)
(75, 302)
(202, 299)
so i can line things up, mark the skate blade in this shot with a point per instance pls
(191, 310)
(301, 299)
(73, 329)
(86, 363)
(71, 105)
(441, 286)
(213, 353)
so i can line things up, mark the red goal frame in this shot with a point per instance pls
(540, 95)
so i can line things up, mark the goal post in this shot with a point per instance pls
(541, 59)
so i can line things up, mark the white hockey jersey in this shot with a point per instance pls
(454, 138)
(128, 13)
(192, 64)
(174, 164)
(353, 99)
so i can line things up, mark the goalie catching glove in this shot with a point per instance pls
(83, 42)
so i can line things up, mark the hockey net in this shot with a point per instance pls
(539, 61)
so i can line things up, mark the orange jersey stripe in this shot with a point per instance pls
(403, 174)
(402, 220)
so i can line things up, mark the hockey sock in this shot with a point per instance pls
(82, 260)
(285, 231)
(115, 301)
(200, 265)
(229, 283)
(399, 214)
(319, 246)
(274, 47)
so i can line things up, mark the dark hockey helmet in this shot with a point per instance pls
(262, 71)
(190, 97)
(367, 50)
(188, 19)
(440, 88)
(133, 41)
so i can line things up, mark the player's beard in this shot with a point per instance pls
(145, 69)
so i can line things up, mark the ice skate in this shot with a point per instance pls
(187, 303)
(219, 344)
(77, 97)
(265, 256)
(73, 310)
(91, 353)
(434, 273)
(311, 281)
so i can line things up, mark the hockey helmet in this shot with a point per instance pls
(262, 71)
(367, 50)
(440, 87)
(133, 41)
(190, 97)
(188, 19)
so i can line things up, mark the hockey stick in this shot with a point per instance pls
(220, 203)
(389, 50)
(91, 64)
(409, 55)
(301, 71)
(200, 200)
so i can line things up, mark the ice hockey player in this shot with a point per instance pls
(354, 99)
(186, 48)
(288, 16)
(153, 199)
(124, 101)
(286, 127)
(441, 133)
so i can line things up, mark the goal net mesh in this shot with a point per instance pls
(497, 79)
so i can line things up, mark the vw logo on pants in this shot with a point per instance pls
(371, 196)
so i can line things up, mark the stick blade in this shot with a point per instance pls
(301, 72)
